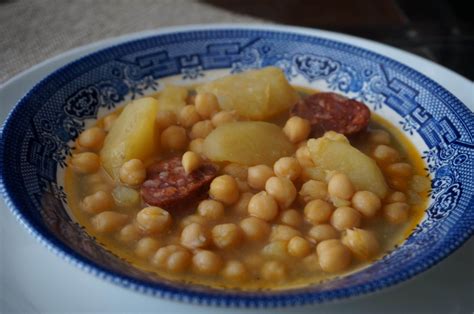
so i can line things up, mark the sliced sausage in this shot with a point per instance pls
(168, 186)
(332, 112)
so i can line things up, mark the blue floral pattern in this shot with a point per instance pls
(408, 125)
(314, 67)
(192, 73)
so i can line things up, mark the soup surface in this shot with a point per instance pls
(246, 182)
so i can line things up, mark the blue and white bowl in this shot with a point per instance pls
(38, 134)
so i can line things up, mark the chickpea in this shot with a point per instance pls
(192, 219)
(129, 233)
(191, 161)
(379, 137)
(297, 129)
(291, 217)
(287, 167)
(340, 186)
(254, 229)
(303, 156)
(201, 129)
(226, 235)
(207, 262)
(206, 104)
(195, 236)
(85, 163)
(283, 233)
(400, 169)
(236, 171)
(78, 148)
(263, 206)
(235, 271)
(276, 250)
(211, 209)
(225, 189)
(243, 186)
(339, 202)
(146, 247)
(314, 190)
(223, 117)
(132, 172)
(196, 146)
(174, 138)
(282, 190)
(173, 258)
(345, 218)
(126, 197)
(258, 175)
(179, 261)
(165, 119)
(188, 116)
(413, 197)
(160, 258)
(396, 197)
(313, 173)
(398, 183)
(323, 232)
(98, 202)
(420, 184)
(109, 121)
(362, 243)
(366, 202)
(153, 220)
(385, 154)
(318, 211)
(274, 271)
(299, 247)
(94, 179)
(333, 256)
(311, 263)
(92, 138)
(396, 213)
(108, 221)
(241, 206)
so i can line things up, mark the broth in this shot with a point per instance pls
(303, 271)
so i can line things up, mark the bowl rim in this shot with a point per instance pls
(220, 297)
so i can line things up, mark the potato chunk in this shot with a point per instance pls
(172, 98)
(256, 94)
(337, 155)
(248, 143)
(131, 136)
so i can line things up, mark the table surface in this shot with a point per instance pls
(34, 280)
(32, 31)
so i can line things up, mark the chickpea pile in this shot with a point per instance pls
(259, 225)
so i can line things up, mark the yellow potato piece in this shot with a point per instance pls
(172, 98)
(131, 136)
(256, 94)
(342, 157)
(248, 143)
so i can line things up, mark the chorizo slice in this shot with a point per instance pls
(168, 186)
(332, 112)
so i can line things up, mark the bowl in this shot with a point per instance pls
(37, 137)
